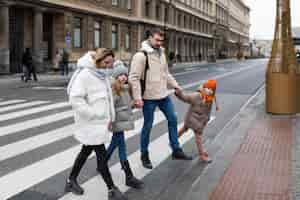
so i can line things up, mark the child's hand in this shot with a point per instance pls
(177, 91)
(217, 108)
(109, 127)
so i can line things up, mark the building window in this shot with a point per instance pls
(166, 14)
(77, 31)
(147, 8)
(157, 11)
(97, 34)
(127, 40)
(114, 36)
(191, 23)
(115, 2)
(179, 20)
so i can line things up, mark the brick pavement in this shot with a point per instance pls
(261, 169)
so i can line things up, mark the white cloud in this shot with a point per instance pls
(263, 17)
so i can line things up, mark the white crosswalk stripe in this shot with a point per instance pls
(23, 105)
(4, 103)
(23, 113)
(31, 143)
(7, 130)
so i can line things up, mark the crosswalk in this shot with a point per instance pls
(49, 167)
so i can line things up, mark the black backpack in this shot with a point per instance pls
(143, 81)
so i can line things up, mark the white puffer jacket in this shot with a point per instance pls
(91, 99)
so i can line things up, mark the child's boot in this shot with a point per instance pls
(131, 181)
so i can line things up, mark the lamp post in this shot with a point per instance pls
(283, 72)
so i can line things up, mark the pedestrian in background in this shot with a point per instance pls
(91, 98)
(124, 121)
(65, 63)
(57, 61)
(199, 112)
(27, 61)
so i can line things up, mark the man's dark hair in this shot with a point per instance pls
(154, 31)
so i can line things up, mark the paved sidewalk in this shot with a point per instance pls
(259, 160)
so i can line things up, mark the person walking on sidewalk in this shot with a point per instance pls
(124, 121)
(91, 98)
(198, 114)
(150, 79)
(27, 61)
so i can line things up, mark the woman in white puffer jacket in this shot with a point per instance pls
(91, 98)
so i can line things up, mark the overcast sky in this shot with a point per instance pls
(263, 17)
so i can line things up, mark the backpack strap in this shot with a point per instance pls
(143, 82)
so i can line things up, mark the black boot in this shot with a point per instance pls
(73, 186)
(180, 155)
(146, 161)
(116, 194)
(131, 181)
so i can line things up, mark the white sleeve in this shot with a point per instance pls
(77, 98)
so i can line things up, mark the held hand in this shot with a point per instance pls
(138, 103)
(178, 88)
(178, 91)
(217, 108)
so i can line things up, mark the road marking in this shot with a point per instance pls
(23, 105)
(4, 103)
(23, 113)
(216, 77)
(7, 130)
(49, 88)
(23, 146)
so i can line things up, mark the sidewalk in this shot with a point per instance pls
(258, 158)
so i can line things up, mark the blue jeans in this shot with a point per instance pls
(167, 107)
(118, 140)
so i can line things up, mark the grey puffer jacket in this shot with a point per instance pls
(124, 120)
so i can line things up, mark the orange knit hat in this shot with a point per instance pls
(210, 84)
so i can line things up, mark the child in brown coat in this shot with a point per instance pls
(198, 114)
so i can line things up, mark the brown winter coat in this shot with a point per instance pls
(199, 112)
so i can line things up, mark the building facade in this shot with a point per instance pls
(239, 27)
(48, 26)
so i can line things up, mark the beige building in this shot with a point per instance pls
(192, 28)
(239, 26)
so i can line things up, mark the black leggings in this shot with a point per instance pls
(101, 163)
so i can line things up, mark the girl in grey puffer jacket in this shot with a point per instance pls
(124, 121)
